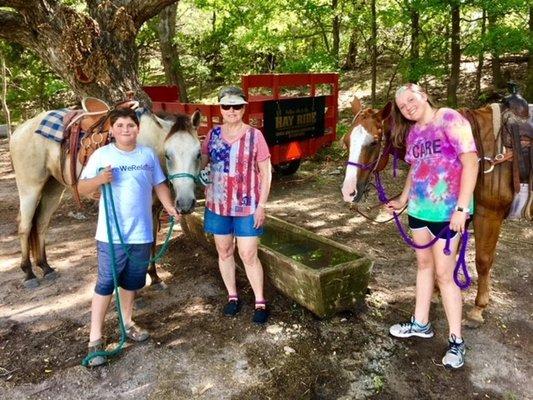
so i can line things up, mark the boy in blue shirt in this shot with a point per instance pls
(132, 170)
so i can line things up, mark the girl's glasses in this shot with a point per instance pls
(226, 107)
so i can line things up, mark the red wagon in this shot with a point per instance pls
(297, 113)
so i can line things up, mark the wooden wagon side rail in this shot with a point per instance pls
(260, 89)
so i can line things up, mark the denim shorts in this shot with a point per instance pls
(130, 275)
(227, 225)
(435, 228)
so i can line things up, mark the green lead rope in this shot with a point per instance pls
(164, 247)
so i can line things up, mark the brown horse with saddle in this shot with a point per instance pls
(503, 135)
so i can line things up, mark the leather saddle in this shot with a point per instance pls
(85, 131)
(518, 136)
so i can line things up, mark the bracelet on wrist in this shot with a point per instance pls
(462, 209)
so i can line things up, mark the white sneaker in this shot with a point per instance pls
(411, 328)
(455, 356)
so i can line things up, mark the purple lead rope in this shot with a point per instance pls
(461, 260)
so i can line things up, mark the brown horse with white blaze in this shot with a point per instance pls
(369, 144)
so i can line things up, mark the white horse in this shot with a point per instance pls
(41, 183)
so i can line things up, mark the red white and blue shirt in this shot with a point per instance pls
(234, 171)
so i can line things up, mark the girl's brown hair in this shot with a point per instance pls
(401, 124)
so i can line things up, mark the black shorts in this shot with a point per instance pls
(435, 228)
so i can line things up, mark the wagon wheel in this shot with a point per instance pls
(288, 168)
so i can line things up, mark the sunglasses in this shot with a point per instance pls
(234, 106)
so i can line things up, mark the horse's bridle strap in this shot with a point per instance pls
(183, 175)
(362, 166)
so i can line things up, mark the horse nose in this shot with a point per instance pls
(185, 206)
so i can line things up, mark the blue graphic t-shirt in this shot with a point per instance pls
(135, 173)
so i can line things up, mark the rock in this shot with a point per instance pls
(241, 365)
(77, 215)
(289, 350)
(274, 329)
(4, 130)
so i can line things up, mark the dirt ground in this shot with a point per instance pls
(197, 353)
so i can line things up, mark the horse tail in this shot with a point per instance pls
(33, 239)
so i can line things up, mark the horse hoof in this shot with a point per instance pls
(474, 319)
(31, 283)
(159, 286)
(51, 276)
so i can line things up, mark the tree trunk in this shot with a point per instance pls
(529, 79)
(480, 58)
(415, 45)
(94, 54)
(169, 53)
(455, 55)
(374, 52)
(4, 97)
(335, 32)
(497, 77)
(351, 56)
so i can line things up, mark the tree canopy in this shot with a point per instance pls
(107, 47)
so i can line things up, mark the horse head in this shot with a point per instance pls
(182, 157)
(175, 140)
(365, 143)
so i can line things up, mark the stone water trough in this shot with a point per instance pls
(322, 275)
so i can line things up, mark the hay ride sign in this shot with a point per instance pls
(297, 119)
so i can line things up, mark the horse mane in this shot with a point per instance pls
(182, 123)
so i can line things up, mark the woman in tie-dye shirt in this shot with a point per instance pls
(438, 193)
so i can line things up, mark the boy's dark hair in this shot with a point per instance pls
(123, 113)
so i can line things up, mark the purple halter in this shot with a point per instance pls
(371, 165)
(362, 166)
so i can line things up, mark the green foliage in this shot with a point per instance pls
(220, 40)
(32, 87)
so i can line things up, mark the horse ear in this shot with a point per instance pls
(195, 119)
(386, 111)
(356, 105)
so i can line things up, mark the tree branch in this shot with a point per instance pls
(13, 28)
(143, 10)
(16, 4)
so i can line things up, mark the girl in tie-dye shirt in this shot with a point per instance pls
(438, 193)
(433, 151)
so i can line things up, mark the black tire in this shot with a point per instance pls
(288, 168)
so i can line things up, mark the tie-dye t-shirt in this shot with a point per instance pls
(433, 152)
